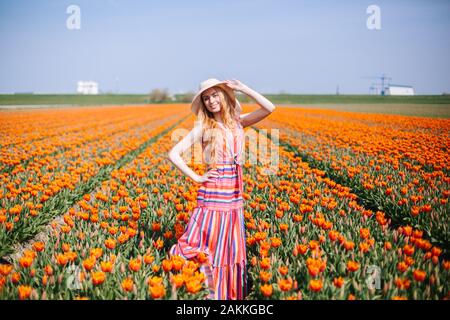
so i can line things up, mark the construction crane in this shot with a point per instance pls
(383, 79)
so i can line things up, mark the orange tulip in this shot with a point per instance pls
(275, 242)
(178, 280)
(167, 265)
(48, 270)
(156, 226)
(193, 286)
(302, 248)
(315, 285)
(71, 256)
(338, 282)
(158, 244)
(408, 250)
(265, 276)
(168, 234)
(89, 263)
(148, 259)
(65, 247)
(419, 275)
(402, 266)
(98, 278)
(112, 230)
(436, 252)
(24, 292)
(156, 268)
(402, 284)
(387, 246)
(352, 266)
(26, 262)
(364, 247)
(44, 280)
(333, 235)
(154, 281)
(110, 243)
(283, 270)
(279, 213)
(349, 245)
(134, 264)
(266, 290)
(313, 270)
(65, 229)
(315, 266)
(123, 238)
(127, 284)
(123, 209)
(15, 277)
(157, 291)
(260, 236)
(364, 233)
(38, 246)
(96, 252)
(285, 284)
(265, 263)
(5, 269)
(177, 263)
(106, 266)
(407, 230)
(313, 244)
(446, 264)
(62, 259)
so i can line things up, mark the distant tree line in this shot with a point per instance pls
(162, 95)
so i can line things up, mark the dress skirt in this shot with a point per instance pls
(216, 228)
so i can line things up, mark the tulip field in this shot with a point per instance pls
(357, 208)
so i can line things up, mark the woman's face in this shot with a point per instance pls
(211, 100)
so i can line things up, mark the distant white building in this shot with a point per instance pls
(87, 87)
(399, 90)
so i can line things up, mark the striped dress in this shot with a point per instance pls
(216, 226)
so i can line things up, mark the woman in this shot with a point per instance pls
(215, 234)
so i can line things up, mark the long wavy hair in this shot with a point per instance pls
(207, 122)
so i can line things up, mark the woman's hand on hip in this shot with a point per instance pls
(209, 176)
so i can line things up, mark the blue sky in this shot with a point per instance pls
(271, 45)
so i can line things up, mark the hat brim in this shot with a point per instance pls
(197, 102)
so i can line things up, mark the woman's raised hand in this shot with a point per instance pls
(209, 176)
(236, 85)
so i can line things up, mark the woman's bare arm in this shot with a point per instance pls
(251, 118)
(175, 156)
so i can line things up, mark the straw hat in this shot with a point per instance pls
(197, 100)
